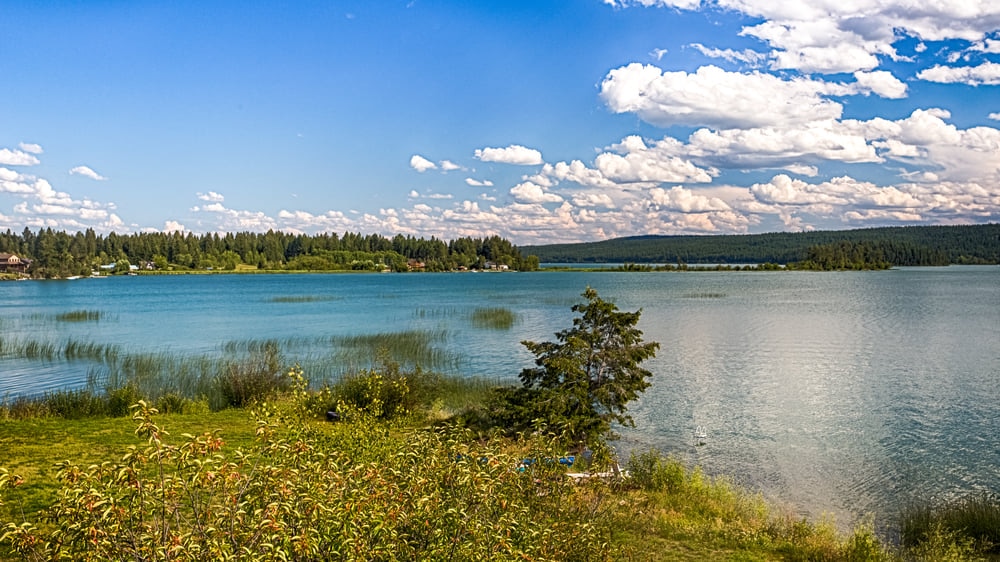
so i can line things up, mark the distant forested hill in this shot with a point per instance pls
(912, 245)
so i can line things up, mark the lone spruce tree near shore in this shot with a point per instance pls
(583, 381)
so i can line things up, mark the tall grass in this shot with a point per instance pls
(409, 348)
(493, 318)
(972, 520)
(80, 316)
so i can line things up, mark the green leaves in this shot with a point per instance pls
(583, 382)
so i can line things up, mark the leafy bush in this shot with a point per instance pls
(307, 491)
(650, 471)
(383, 393)
(253, 379)
(121, 399)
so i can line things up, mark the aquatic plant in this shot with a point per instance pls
(80, 316)
(493, 318)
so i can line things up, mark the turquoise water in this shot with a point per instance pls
(831, 393)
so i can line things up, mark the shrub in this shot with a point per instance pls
(650, 471)
(251, 380)
(313, 492)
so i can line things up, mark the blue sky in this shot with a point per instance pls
(540, 121)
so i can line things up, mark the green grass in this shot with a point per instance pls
(33, 446)
(80, 316)
(493, 318)
(974, 520)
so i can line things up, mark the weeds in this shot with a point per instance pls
(495, 318)
(80, 316)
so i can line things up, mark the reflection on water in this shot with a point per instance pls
(840, 393)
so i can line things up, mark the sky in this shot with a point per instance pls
(540, 121)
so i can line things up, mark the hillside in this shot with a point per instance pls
(917, 245)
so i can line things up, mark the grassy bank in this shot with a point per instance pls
(385, 483)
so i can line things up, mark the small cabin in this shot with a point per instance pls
(10, 263)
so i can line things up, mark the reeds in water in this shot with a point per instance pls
(493, 318)
(80, 316)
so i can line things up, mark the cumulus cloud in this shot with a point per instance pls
(880, 83)
(211, 197)
(715, 98)
(30, 147)
(421, 164)
(17, 158)
(478, 183)
(87, 172)
(448, 165)
(747, 56)
(513, 154)
(994, 116)
(987, 73)
(173, 226)
(529, 192)
(835, 37)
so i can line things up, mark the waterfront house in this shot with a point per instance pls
(10, 263)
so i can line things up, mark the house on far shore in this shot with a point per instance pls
(9, 263)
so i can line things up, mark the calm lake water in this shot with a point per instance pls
(831, 393)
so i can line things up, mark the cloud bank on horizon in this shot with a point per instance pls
(720, 117)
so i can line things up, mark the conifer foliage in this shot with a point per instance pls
(582, 382)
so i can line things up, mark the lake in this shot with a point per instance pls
(831, 393)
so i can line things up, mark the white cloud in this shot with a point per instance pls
(513, 154)
(478, 183)
(448, 165)
(30, 147)
(747, 56)
(715, 98)
(987, 73)
(684, 200)
(212, 197)
(232, 220)
(658, 53)
(529, 192)
(87, 172)
(16, 158)
(881, 83)
(421, 164)
(173, 226)
(994, 116)
(832, 36)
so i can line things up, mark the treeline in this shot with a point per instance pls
(900, 246)
(60, 254)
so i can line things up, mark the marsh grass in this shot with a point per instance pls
(409, 348)
(80, 316)
(493, 318)
(972, 521)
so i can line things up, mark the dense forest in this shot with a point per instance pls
(898, 246)
(60, 254)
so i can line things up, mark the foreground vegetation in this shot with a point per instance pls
(393, 480)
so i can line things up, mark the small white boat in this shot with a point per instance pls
(700, 436)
